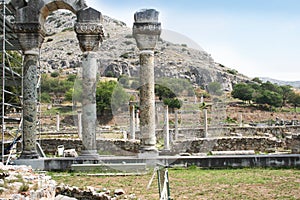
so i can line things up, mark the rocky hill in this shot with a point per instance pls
(118, 55)
(295, 84)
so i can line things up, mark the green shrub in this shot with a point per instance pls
(54, 74)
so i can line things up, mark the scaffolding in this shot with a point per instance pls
(11, 83)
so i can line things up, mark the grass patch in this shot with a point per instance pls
(195, 183)
(64, 110)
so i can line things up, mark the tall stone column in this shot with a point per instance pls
(146, 31)
(30, 37)
(89, 33)
(132, 120)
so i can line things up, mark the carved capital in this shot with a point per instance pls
(30, 36)
(89, 29)
(89, 35)
(146, 29)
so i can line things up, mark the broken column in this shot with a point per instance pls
(89, 33)
(31, 36)
(146, 31)
(132, 120)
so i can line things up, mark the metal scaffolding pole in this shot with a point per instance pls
(11, 84)
(3, 75)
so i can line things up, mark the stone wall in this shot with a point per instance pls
(258, 144)
(200, 145)
(104, 147)
(276, 131)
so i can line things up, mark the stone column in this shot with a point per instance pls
(146, 31)
(79, 121)
(132, 120)
(30, 36)
(241, 119)
(89, 33)
(166, 129)
(157, 110)
(57, 122)
(205, 123)
(176, 125)
(137, 120)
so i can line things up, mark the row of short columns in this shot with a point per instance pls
(168, 138)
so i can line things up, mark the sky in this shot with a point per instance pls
(259, 38)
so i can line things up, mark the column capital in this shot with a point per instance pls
(89, 29)
(31, 36)
(146, 29)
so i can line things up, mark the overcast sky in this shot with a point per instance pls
(259, 38)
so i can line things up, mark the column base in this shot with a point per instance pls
(29, 155)
(148, 152)
(88, 155)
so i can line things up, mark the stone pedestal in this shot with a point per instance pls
(146, 31)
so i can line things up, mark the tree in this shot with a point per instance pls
(163, 92)
(286, 92)
(243, 92)
(109, 96)
(294, 99)
(257, 80)
(269, 97)
(271, 87)
(173, 103)
(119, 98)
(45, 98)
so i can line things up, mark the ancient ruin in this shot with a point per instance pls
(29, 26)
(153, 132)
(146, 31)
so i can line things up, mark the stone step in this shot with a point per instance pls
(110, 168)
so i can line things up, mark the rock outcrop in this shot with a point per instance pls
(118, 55)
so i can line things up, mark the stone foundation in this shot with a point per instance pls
(201, 145)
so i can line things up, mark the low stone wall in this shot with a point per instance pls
(258, 144)
(277, 131)
(200, 145)
(104, 147)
